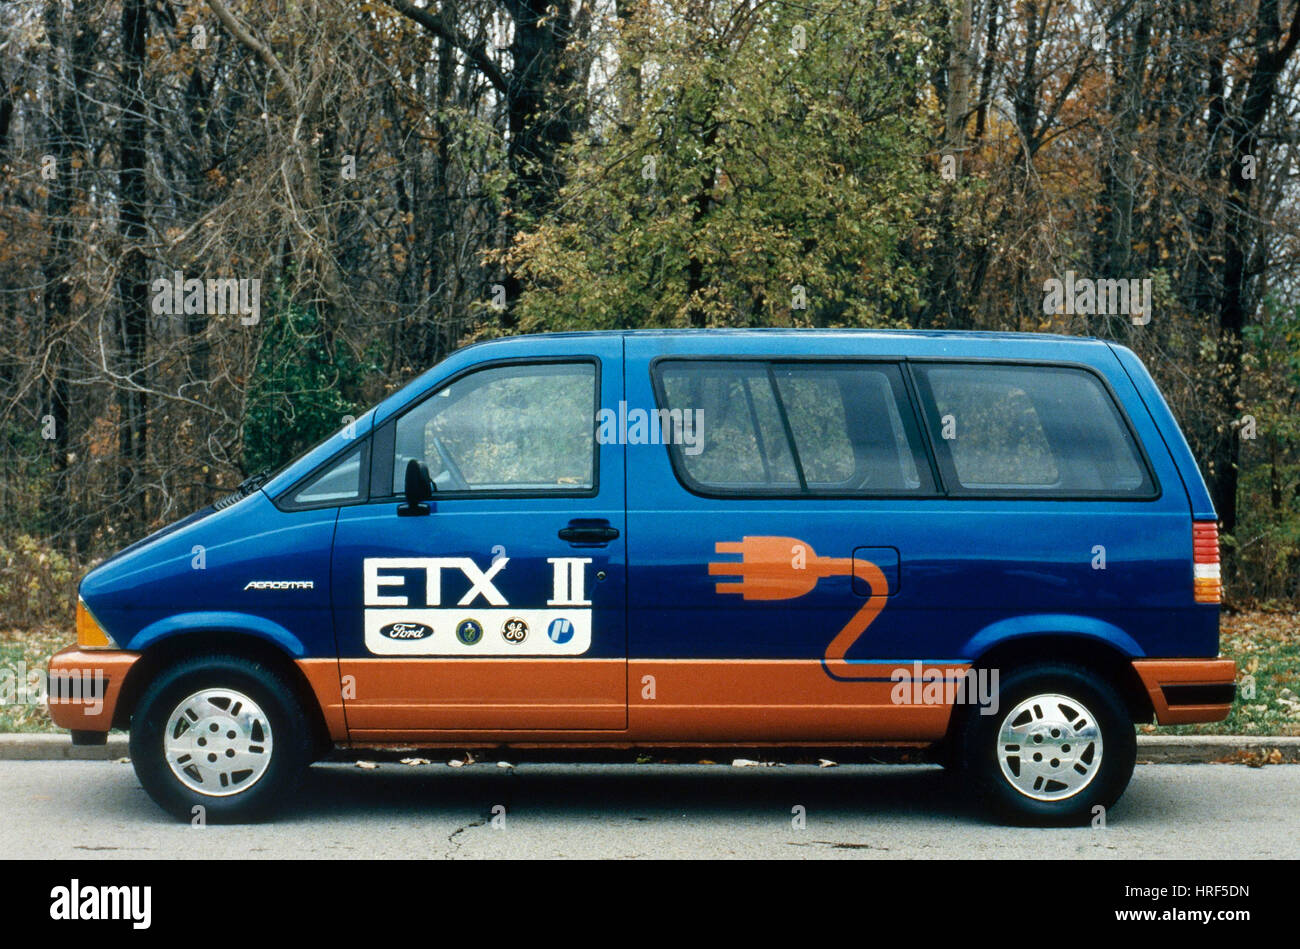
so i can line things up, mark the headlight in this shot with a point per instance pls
(89, 633)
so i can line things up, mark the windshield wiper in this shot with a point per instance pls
(252, 483)
(246, 487)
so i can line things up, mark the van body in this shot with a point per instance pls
(999, 545)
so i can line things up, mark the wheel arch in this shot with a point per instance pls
(165, 651)
(1090, 652)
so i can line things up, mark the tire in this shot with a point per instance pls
(239, 739)
(947, 754)
(1083, 746)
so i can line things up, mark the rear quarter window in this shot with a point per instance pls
(1046, 431)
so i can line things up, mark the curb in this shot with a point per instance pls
(1152, 749)
(1225, 749)
(58, 746)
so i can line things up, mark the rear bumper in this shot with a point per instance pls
(83, 687)
(1189, 690)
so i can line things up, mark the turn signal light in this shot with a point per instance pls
(89, 633)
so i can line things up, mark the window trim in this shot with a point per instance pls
(440, 495)
(770, 361)
(943, 458)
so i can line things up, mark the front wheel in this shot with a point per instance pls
(1059, 746)
(219, 738)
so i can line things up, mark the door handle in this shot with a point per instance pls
(588, 533)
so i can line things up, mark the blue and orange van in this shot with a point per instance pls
(996, 544)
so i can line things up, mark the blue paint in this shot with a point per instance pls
(964, 573)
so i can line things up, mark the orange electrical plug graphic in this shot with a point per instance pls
(784, 568)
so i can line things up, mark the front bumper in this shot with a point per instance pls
(1183, 691)
(83, 687)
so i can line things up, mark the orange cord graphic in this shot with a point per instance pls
(783, 568)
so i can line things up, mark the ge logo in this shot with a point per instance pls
(514, 630)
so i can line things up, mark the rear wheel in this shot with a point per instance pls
(221, 733)
(1060, 745)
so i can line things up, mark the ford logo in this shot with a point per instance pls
(406, 631)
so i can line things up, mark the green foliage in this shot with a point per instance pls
(37, 582)
(1266, 543)
(740, 169)
(304, 385)
(27, 469)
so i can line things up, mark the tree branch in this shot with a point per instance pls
(257, 46)
(438, 25)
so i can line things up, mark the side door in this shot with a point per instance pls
(771, 556)
(502, 607)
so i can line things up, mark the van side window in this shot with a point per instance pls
(744, 444)
(1048, 431)
(817, 421)
(795, 428)
(847, 428)
(505, 428)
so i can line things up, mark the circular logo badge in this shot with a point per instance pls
(469, 631)
(560, 631)
(514, 630)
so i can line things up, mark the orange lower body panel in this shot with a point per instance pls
(592, 702)
(323, 677)
(411, 696)
(1177, 688)
(739, 700)
(84, 685)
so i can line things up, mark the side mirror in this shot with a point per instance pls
(419, 489)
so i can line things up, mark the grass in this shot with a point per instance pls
(1265, 646)
(24, 651)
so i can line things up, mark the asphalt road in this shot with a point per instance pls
(87, 809)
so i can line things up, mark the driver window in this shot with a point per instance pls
(506, 428)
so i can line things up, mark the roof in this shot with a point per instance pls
(812, 331)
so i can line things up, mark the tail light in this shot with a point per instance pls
(1207, 585)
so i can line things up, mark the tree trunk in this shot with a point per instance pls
(132, 281)
(1241, 232)
(69, 149)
